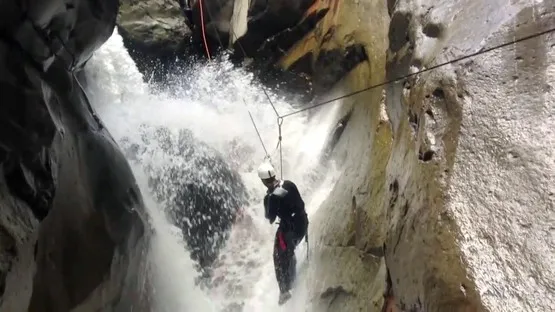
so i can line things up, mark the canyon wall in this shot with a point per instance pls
(447, 175)
(73, 232)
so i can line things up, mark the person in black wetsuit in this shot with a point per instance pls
(283, 200)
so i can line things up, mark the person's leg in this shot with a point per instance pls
(289, 260)
(281, 261)
(284, 254)
(293, 239)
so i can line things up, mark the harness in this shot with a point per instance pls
(280, 192)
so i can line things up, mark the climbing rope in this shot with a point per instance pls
(280, 122)
(257, 132)
(202, 29)
(279, 118)
(267, 156)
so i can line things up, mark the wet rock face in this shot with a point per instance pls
(457, 131)
(155, 33)
(272, 28)
(201, 193)
(70, 231)
(265, 19)
(507, 139)
(445, 201)
(157, 36)
(268, 20)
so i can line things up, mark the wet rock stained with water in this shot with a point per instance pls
(71, 224)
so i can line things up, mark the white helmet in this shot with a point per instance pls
(266, 171)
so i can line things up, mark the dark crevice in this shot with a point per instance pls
(417, 63)
(430, 113)
(439, 93)
(303, 66)
(336, 135)
(394, 190)
(32, 182)
(414, 122)
(375, 251)
(399, 31)
(270, 46)
(8, 253)
(426, 156)
(432, 30)
(399, 236)
(274, 23)
(391, 6)
(333, 293)
(407, 85)
(389, 297)
(405, 209)
(328, 35)
(296, 83)
(332, 65)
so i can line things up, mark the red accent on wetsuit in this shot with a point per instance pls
(281, 241)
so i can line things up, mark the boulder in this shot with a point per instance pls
(72, 220)
(257, 34)
(201, 193)
(243, 25)
(155, 33)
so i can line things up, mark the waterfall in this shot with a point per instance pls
(195, 141)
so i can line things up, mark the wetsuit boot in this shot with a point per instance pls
(283, 297)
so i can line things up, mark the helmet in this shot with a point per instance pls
(266, 171)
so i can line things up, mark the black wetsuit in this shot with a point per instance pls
(285, 202)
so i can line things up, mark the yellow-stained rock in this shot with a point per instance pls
(403, 221)
(353, 243)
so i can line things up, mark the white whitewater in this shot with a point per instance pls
(209, 102)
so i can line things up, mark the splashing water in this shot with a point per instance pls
(208, 101)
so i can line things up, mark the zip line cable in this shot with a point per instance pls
(280, 118)
(422, 71)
